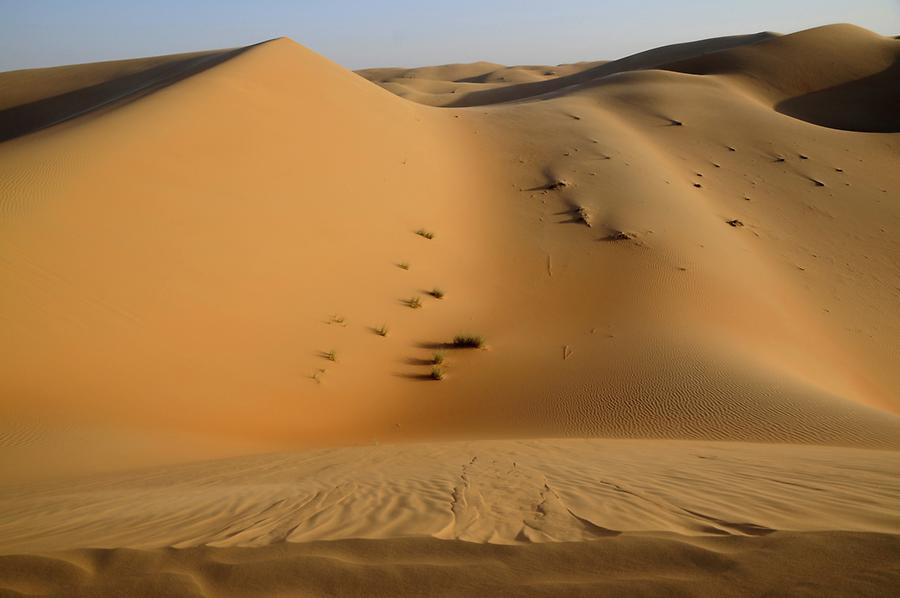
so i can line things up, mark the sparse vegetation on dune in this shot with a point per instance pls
(437, 373)
(557, 184)
(425, 233)
(437, 358)
(382, 330)
(436, 293)
(584, 216)
(414, 302)
(403, 265)
(330, 355)
(468, 341)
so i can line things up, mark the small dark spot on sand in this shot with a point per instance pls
(735, 223)
(618, 236)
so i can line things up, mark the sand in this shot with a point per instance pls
(693, 250)
(540, 517)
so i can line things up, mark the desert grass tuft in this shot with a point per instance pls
(403, 265)
(437, 358)
(436, 293)
(468, 341)
(331, 355)
(382, 330)
(414, 302)
(437, 373)
(425, 233)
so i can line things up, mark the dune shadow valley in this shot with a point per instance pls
(273, 327)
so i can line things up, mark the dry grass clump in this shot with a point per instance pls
(425, 233)
(468, 341)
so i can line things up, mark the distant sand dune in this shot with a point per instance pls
(560, 77)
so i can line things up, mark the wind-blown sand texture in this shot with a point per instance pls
(209, 255)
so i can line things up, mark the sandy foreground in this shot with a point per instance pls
(228, 278)
(540, 517)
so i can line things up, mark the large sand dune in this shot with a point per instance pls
(200, 255)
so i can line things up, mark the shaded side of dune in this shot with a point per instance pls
(45, 112)
(820, 564)
(839, 76)
(869, 104)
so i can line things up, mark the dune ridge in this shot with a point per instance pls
(39, 98)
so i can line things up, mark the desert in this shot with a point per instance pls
(628, 327)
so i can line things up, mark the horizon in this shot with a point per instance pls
(400, 33)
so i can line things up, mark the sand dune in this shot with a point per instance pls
(256, 250)
(248, 245)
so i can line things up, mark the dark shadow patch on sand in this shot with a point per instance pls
(870, 104)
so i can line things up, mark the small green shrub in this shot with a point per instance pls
(437, 358)
(437, 373)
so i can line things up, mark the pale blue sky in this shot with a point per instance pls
(362, 33)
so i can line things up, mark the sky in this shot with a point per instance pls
(365, 33)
